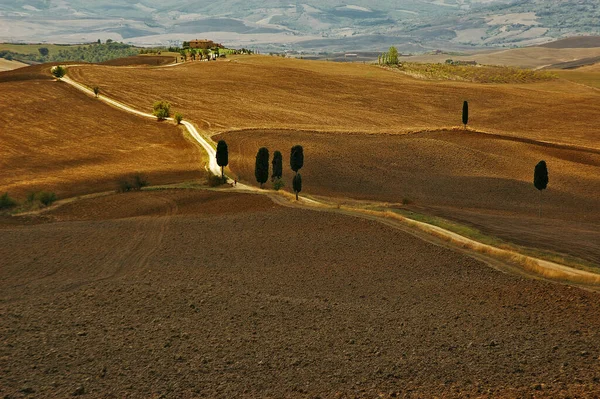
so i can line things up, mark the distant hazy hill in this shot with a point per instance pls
(412, 25)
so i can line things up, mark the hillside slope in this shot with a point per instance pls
(269, 92)
(56, 138)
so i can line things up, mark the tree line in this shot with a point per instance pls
(261, 165)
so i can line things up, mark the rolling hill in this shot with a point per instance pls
(342, 113)
(55, 138)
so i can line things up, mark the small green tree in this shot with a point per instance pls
(96, 91)
(465, 114)
(44, 51)
(261, 167)
(183, 55)
(297, 184)
(59, 72)
(178, 118)
(393, 56)
(297, 158)
(205, 52)
(277, 165)
(222, 156)
(162, 110)
(540, 180)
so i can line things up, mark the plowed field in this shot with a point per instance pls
(190, 294)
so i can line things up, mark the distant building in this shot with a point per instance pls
(204, 44)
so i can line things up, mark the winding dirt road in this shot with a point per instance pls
(543, 268)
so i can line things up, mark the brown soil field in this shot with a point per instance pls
(479, 179)
(575, 42)
(268, 92)
(525, 57)
(54, 138)
(184, 294)
(150, 60)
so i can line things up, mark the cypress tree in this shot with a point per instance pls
(297, 184)
(465, 113)
(277, 165)
(540, 180)
(261, 167)
(222, 156)
(297, 158)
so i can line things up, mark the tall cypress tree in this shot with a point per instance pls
(297, 184)
(540, 180)
(261, 168)
(277, 165)
(222, 156)
(297, 158)
(465, 114)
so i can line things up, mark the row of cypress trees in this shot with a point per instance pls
(261, 166)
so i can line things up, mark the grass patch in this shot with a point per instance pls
(474, 73)
(476, 235)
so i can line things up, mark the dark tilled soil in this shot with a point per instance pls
(199, 299)
(478, 179)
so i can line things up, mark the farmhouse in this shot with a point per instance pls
(204, 44)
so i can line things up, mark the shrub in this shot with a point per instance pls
(406, 201)
(178, 118)
(214, 180)
(162, 110)
(47, 198)
(278, 184)
(136, 183)
(124, 186)
(59, 72)
(139, 182)
(6, 202)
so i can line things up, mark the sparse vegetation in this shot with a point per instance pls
(222, 157)
(47, 198)
(278, 184)
(214, 180)
(6, 202)
(261, 168)
(474, 73)
(59, 72)
(178, 118)
(162, 110)
(135, 183)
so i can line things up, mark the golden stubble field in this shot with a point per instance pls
(54, 138)
(268, 92)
